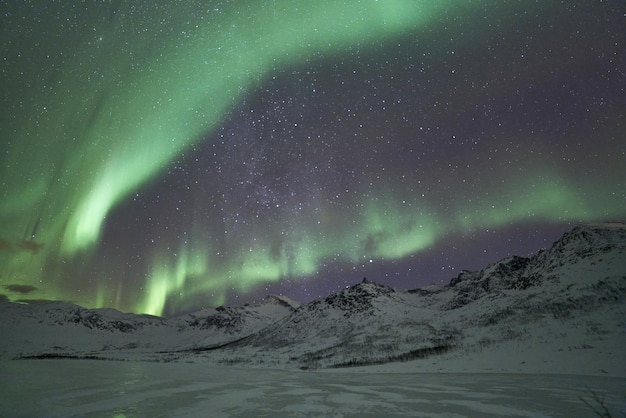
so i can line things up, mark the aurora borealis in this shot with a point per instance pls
(162, 156)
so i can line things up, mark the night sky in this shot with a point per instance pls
(162, 156)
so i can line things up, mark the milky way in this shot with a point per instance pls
(163, 156)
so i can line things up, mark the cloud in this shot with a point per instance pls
(20, 288)
(38, 301)
(31, 246)
(25, 245)
(4, 245)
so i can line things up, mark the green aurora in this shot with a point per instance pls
(100, 101)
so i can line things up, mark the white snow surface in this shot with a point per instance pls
(89, 388)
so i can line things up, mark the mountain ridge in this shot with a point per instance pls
(565, 302)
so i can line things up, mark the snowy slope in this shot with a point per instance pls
(560, 311)
(60, 329)
(367, 322)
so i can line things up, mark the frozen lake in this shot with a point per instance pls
(65, 388)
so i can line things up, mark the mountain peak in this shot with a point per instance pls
(369, 287)
(598, 228)
(585, 240)
(280, 301)
(358, 297)
(604, 225)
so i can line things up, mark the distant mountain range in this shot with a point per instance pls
(562, 310)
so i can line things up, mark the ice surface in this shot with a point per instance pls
(65, 388)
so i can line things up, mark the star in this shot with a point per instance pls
(158, 158)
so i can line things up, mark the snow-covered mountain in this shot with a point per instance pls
(60, 329)
(562, 310)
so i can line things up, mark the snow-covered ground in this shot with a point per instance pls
(523, 337)
(90, 388)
